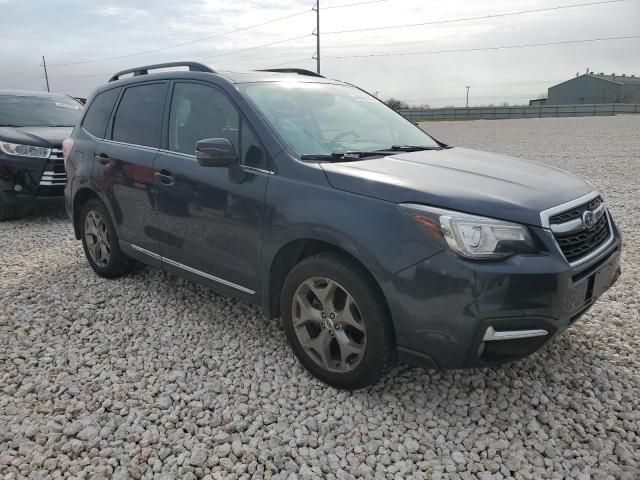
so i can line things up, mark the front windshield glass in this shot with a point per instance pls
(39, 111)
(321, 118)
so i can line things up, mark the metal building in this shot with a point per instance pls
(590, 88)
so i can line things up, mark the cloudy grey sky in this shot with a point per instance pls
(74, 31)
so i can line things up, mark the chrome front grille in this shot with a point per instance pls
(54, 174)
(579, 237)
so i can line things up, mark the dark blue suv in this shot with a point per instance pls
(373, 241)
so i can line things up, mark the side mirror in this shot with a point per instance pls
(216, 152)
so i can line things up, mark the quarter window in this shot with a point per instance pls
(139, 115)
(97, 117)
(252, 154)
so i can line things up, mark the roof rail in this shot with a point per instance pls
(193, 67)
(299, 71)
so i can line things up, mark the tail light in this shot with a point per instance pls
(67, 145)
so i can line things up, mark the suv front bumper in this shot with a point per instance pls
(25, 181)
(454, 313)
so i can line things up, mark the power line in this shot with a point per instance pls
(230, 52)
(15, 74)
(501, 47)
(482, 17)
(291, 62)
(209, 37)
(354, 4)
(167, 47)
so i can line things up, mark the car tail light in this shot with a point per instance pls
(67, 145)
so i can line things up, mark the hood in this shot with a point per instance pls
(38, 136)
(470, 181)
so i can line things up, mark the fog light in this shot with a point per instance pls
(18, 188)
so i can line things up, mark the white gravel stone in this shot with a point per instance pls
(150, 376)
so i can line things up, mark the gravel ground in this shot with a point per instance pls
(151, 376)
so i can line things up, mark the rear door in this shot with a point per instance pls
(124, 164)
(210, 217)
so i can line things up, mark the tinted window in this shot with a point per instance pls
(199, 112)
(97, 117)
(139, 115)
(252, 154)
(39, 110)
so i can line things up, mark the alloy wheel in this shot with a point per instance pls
(329, 325)
(97, 238)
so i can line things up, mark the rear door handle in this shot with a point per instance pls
(103, 158)
(166, 178)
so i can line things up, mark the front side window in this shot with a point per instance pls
(98, 113)
(199, 112)
(39, 111)
(139, 115)
(322, 118)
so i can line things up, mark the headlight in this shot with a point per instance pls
(470, 236)
(24, 150)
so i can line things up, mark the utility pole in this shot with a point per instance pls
(467, 87)
(317, 34)
(46, 77)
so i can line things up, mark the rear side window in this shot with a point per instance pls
(97, 116)
(139, 115)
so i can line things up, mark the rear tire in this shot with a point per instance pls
(7, 212)
(100, 242)
(337, 322)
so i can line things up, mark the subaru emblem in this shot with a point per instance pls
(589, 219)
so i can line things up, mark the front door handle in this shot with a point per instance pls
(166, 178)
(103, 158)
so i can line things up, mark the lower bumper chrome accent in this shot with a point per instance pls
(493, 335)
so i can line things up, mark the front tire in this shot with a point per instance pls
(337, 322)
(100, 242)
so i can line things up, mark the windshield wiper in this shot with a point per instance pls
(408, 148)
(341, 156)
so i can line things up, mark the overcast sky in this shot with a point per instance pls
(68, 31)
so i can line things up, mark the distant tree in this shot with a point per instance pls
(422, 106)
(505, 104)
(396, 104)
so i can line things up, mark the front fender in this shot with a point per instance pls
(375, 232)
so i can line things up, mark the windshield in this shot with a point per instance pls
(321, 119)
(39, 111)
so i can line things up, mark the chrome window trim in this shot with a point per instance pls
(186, 155)
(606, 245)
(193, 157)
(91, 134)
(142, 147)
(115, 142)
(222, 281)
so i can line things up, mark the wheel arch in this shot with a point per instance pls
(81, 197)
(293, 252)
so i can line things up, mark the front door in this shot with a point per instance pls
(124, 163)
(210, 218)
